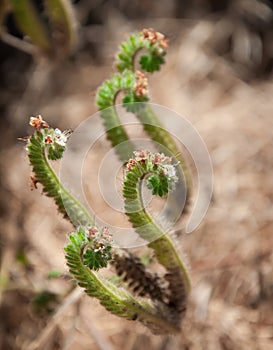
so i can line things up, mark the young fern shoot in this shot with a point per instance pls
(134, 84)
(90, 247)
(161, 177)
(106, 100)
(157, 301)
(49, 144)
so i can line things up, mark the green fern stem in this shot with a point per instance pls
(116, 300)
(160, 177)
(38, 153)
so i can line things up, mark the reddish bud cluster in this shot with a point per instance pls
(141, 84)
(92, 232)
(143, 155)
(155, 38)
(105, 234)
(131, 163)
(38, 123)
(95, 235)
(48, 139)
(160, 158)
(162, 162)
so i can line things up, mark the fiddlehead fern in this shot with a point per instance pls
(47, 143)
(129, 83)
(116, 300)
(154, 44)
(161, 176)
(90, 248)
(157, 301)
(134, 85)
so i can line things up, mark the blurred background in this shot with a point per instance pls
(218, 74)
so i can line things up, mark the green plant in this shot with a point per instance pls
(158, 301)
(51, 33)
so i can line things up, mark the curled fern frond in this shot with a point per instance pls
(154, 44)
(132, 84)
(116, 300)
(128, 83)
(47, 143)
(161, 176)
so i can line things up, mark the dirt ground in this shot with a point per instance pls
(229, 255)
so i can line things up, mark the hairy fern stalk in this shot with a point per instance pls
(157, 301)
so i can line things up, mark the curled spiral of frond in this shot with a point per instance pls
(151, 42)
(49, 144)
(116, 300)
(160, 175)
(133, 85)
